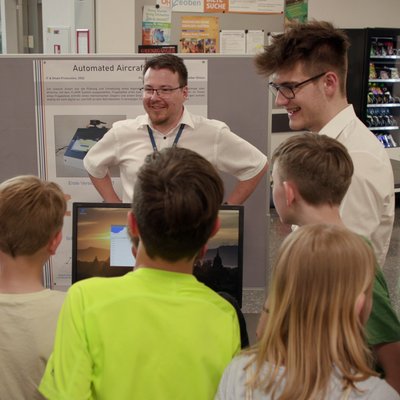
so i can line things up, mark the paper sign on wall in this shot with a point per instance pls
(192, 6)
(233, 42)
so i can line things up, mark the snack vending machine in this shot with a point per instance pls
(373, 82)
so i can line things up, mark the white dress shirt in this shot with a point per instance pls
(368, 206)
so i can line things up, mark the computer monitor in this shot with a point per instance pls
(101, 246)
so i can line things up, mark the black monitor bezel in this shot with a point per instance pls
(78, 205)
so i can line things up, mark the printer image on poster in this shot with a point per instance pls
(82, 141)
(75, 135)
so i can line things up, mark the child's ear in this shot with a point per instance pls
(289, 192)
(214, 231)
(54, 243)
(132, 224)
(216, 227)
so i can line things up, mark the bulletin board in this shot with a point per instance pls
(228, 21)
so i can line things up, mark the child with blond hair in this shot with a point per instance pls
(31, 215)
(312, 345)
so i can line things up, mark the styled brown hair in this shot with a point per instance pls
(313, 328)
(31, 212)
(317, 45)
(170, 62)
(320, 166)
(176, 202)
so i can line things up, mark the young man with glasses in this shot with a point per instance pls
(308, 67)
(168, 123)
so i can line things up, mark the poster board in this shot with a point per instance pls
(265, 22)
(236, 95)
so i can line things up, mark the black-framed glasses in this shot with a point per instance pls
(287, 90)
(162, 92)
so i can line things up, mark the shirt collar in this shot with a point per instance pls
(337, 124)
(144, 120)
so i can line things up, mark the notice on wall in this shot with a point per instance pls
(256, 6)
(232, 42)
(190, 6)
(156, 25)
(255, 41)
(77, 102)
(199, 34)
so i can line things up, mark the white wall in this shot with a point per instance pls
(357, 13)
(11, 27)
(58, 13)
(115, 26)
(84, 19)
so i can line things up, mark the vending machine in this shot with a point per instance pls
(373, 82)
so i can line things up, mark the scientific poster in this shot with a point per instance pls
(199, 34)
(77, 101)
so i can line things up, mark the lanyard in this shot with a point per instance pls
(177, 137)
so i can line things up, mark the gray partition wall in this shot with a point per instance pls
(236, 95)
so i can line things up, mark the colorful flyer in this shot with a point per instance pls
(216, 6)
(199, 34)
(156, 25)
(296, 10)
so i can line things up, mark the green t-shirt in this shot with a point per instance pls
(383, 325)
(150, 334)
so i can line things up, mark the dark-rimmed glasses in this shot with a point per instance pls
(287, 90)
(162, 92)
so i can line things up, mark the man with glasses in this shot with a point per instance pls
(168, 123)
(308, 67)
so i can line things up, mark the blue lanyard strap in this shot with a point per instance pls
(177, 137)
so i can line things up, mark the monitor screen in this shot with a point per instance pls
(101, 246)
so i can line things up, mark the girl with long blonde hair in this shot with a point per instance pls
(312, 346)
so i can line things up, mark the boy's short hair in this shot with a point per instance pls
(31, 212)
(320, 166)
(176, 201)
(170, 62)
(318, 45)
